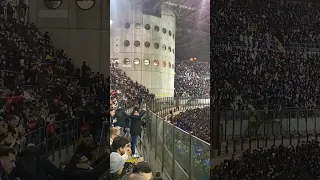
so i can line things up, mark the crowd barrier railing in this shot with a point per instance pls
(252, 129)
(53, 138)
(180, 154)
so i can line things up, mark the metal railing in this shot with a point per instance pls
(251, 129)
(65, 134)
(180, 154)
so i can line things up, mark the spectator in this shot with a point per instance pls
(116, 166)
(136, 128)
(144, 169)
(136, 176)
(8, 162)
(113, 119)
(80, 168)
(31, 165)
(123, 119)
(120, 145)
(114, 132)
(86, 147)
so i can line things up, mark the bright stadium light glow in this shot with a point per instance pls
(111, 21)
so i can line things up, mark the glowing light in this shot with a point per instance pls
(111, 21)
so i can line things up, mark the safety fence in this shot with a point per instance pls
(53, 137)
(180, 154)
(251, 129)
(61, 135)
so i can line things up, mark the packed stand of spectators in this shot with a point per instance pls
(300, 162)
(258, 22)
(40, 91)
(192, 78)
(196, 121)
(250, 72)
(126, 92)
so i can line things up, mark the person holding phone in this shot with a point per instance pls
(136, 128)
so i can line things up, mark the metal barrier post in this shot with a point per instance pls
(241, 137)
(315, 123)
(226, 148)
(156, 139)
(306, 119)
(163, 146)
(298, 129)
(190, 157)
(290, 134)
(233, 126)
(174, 153)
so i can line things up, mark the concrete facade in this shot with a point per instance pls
(144, 45)
(83, 34)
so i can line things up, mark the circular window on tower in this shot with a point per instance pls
(136, 43)
(156, 63)
(137, 26)
(126, 61)
(147, 26)
(156, 28)
(136, 61)
(164, 30)
(146, 62)
(169, 64)
(169, 49)
(147, 44)
(126, 43)
(156, 45)
(164, 64)
(169, 33)
(85, 4)
(53, 4)
(127, 25)
(164, 47)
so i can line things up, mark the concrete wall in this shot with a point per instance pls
(159, 79)
(84, 34)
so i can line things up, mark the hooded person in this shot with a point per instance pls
(116, 166)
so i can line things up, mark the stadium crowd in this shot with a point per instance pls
(300, 162)
(261, 56)
(43, 96)
(196, 121)
(192, 79)
(266, 57)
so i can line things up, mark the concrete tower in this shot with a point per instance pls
(144, 45)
